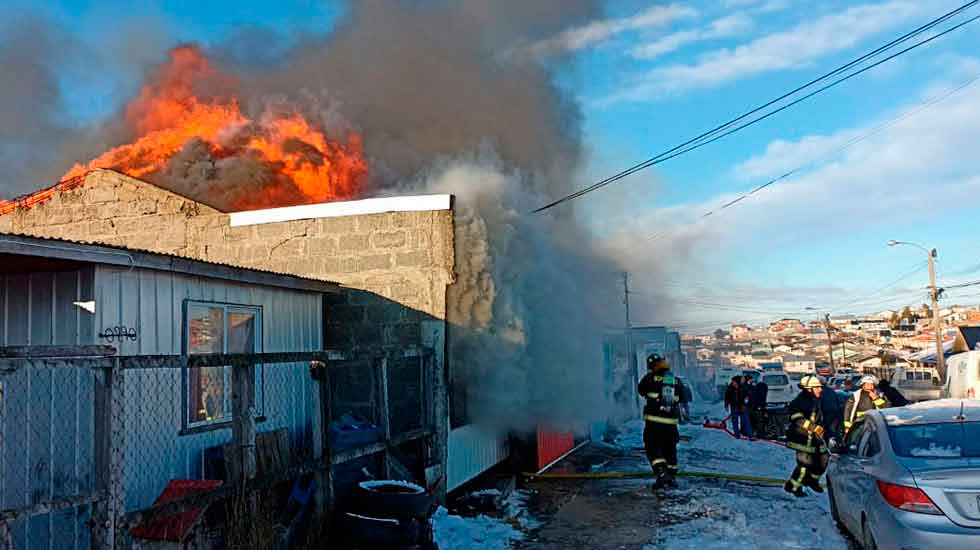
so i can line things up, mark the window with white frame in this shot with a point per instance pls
(218, 328)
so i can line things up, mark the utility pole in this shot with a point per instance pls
(937, 325)
(631, 353)
(830, 343)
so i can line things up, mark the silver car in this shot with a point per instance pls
(909, 477)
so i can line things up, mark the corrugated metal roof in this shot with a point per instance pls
(172, 262)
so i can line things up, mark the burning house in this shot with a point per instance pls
(410, 202)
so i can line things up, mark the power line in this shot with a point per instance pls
(852, 142)
(919, 267)
(702, 139)
(961, 285)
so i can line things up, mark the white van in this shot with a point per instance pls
(963, 376)
(917, 383)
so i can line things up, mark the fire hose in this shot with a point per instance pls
(724, 427)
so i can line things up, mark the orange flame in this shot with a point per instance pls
(189, 99)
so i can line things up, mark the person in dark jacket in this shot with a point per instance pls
(662, 391)
(833, 413)
(736, 401)
(806, 436)
(865, 399)
(894, 396)
(758, 400)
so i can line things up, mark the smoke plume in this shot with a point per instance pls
(441, 108)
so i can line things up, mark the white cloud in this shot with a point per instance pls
(917, 163)
(579, 38)
(791, 49)
(724, 27)
(896, 179)
(782, 156)
(759, 6)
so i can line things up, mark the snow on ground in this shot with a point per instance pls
(483, 532)
(709, 516)
(706, 514)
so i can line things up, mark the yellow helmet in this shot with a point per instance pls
(810, 382)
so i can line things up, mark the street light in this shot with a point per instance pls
(931, 253)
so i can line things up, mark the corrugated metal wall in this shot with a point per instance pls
(474, 449)
(46, 414)
(152, 303)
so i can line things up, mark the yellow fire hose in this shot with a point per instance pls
(644, 475)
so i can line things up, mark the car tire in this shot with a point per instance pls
(393, 499)
(835, 513)
(867, 538)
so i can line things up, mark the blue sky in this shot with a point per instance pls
(651, 74)
(814, 240)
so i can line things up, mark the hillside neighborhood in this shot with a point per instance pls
(901, 338)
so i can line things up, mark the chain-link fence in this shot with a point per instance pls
(47, 456)
(113, 452)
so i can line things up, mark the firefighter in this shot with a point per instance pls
(866, 398)
(807, 434)
(662, 391)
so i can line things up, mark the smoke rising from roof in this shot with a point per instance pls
(439, 108)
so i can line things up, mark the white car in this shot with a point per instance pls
(781, 389)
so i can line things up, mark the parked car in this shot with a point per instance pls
(909, 477)
(781, 390)
(795, 378)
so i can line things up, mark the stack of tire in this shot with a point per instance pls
(390, 514)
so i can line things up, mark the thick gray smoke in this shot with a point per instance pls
(49, 76)
(423, 80)
(441, 108)
(30, 129)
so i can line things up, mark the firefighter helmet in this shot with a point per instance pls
(655, 361)
(810, 382)
(868, 379)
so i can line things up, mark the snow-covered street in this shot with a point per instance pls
(700, 513)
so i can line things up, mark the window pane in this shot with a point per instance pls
(241, 332)
(207, 394)
(950, 440)
(207, 329)
(206, 386)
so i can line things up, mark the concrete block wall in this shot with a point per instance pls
(397, 265)
(111, 208)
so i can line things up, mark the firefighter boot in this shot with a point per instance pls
(660, 477)
(813, 483)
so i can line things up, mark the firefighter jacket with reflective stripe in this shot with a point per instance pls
(860, 403)
(806, 421)
(663, 394)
